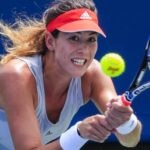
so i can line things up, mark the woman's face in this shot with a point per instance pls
(74, 52)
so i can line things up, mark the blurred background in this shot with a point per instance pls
(127, 26)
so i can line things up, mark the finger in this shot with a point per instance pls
(118, 100)
(106, 128)
(114, 121)
(121, 107)
(99, 130)
(115, 113)
(100, 139)
(100, 126)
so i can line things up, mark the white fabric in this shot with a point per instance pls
(49, 131)
(128, 126)
(70, 140)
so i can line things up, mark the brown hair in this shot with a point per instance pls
(26, 37)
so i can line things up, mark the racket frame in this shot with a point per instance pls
(134, 88)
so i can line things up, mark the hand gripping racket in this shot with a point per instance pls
(135, 88)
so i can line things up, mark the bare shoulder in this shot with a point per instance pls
(14, 71)
(93, 75)
(15, 77)
(94, 71)
(97, 86)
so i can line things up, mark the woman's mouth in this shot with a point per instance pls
(79, 62)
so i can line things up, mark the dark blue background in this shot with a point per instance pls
(127, 25)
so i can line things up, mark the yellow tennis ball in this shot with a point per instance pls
(112, 64)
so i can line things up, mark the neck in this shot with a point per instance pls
(54, 80)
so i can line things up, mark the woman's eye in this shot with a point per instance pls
(92, 39)
(74, 38)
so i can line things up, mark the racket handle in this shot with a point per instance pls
(125, 101)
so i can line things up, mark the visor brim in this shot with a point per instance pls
(81, 25)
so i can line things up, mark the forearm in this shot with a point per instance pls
(124, 121)
(131, 139)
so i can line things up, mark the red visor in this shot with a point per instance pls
(76, 20)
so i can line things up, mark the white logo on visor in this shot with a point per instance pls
(85, 15)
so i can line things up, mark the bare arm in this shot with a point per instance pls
(103, 92)
(122, 118)
(19, 103)
(18, 95)
(132, 139)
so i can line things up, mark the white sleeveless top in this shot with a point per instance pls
(49, 131)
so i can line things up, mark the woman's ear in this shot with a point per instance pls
(49, 40)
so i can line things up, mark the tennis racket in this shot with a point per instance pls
(135, 88)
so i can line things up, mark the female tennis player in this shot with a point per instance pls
(48, 73)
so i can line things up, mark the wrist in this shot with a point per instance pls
(128, 126)
(71, 139)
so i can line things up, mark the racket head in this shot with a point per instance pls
(134, 88)
(145, 65)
